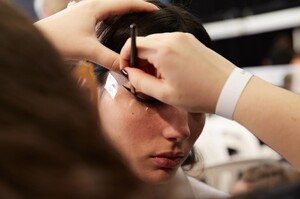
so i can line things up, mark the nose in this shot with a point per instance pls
(176, 125)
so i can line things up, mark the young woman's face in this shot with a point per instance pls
(154, 139)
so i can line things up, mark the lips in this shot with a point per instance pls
(167, 160)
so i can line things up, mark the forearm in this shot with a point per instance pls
(273, 115)
(45, 27)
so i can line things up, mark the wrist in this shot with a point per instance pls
(231, 92)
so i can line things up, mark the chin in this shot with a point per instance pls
(159, 176)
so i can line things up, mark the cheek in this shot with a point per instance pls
(122, 121)
(113, 118)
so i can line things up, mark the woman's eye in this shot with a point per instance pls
(146, 100)
(142, 97)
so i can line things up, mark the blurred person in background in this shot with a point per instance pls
(265, 176)
(281, 52)
(296, 59)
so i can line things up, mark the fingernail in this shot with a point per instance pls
(71, 2)
(124, 73)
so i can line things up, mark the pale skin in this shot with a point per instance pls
(188, 69)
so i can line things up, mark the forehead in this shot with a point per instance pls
(113, 81)
(121, 79)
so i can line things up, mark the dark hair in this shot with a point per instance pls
(114, 32)
(50, 143)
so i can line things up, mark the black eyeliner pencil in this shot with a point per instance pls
(133, 50)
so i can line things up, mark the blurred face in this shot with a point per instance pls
(154, 138)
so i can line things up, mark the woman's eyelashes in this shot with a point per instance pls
(142, 97)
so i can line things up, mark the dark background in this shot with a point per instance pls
(215, 10)
(250, 50)
(243, 51)
(26, 6)
(247, 50)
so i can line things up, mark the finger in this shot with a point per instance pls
(104, 56)
(147, 49)
(71, 3)
(120, 7)
(149, 85)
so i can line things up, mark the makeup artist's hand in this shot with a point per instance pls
(72, 31)
(191, 75)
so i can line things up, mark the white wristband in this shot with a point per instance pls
(231, 92)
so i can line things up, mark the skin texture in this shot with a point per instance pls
(142, 131)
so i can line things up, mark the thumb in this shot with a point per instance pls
(104, 57)
(146, 83)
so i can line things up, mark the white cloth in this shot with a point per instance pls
(204, 191)
(189, 187)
